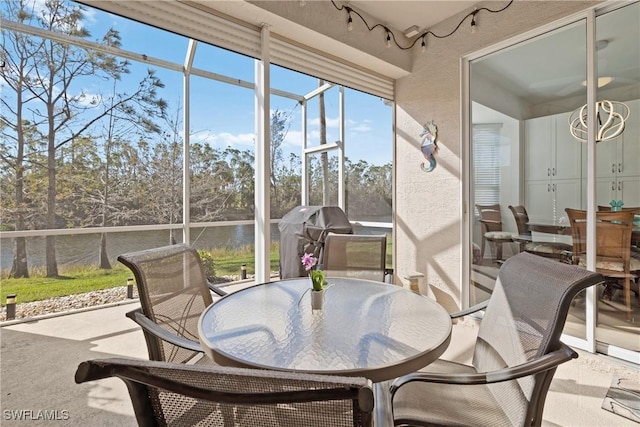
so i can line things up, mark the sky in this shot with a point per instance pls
(222, 114)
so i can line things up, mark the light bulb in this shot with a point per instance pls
(474, 27)
(388, 40)
(350, 23)
(424, 46)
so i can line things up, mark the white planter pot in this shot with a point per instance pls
(317, 298)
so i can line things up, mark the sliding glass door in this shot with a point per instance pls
(528, 167)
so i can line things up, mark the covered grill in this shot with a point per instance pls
(302, 230)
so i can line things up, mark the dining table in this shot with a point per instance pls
(365, 328)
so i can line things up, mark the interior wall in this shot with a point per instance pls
(428, 209)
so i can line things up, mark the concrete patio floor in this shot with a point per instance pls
(39, 359)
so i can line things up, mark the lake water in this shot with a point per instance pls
(83, 249)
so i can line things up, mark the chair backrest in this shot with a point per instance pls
(608, 209)
(167, 394)
(173, 291)
(522, 219)
(355, 255)
(522, 322)
(490, 217)
(613, 236)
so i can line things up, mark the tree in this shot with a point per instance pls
(14, 125)
(324, 158)
(61, 114)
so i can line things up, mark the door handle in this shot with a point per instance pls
(613, 186)
(553, 187)
(548, 171)
(553, 171)
(613, 168)
(548, 188)
(619, 185)
(619, 167)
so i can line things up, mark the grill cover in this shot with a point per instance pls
(302, 230)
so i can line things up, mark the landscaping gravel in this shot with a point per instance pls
(78, 301)
(70, 302)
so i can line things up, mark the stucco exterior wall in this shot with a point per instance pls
(428, 205)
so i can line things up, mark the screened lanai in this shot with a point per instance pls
(480, 87)
(226, 131)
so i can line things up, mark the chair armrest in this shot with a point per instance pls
(543, 363)
(489, 221)
(215, 289)
(472, 309)
(151, 327)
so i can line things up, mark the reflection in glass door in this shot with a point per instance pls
(618, 167)
(533, 174)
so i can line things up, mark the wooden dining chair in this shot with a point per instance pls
(174, 291)
(490, 217)
(177, 395)
(555, 250)
(613, 246)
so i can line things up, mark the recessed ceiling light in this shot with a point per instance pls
(602, 81)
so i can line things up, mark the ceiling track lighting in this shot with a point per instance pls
(412, 31)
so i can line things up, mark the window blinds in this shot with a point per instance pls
(203, 24)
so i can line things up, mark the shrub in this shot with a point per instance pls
(207, 263)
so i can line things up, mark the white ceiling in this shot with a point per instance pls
(401, 15)
(542, 71)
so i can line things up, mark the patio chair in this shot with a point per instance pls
(491, 229)
(559, 251)
(356, 255)
(173, 291)
(613, 247)
(515, 356)
(167, 394)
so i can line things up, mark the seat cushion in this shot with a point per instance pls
(498, 235)
(546, 248)
(614, 266)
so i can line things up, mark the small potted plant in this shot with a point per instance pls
(318, 280)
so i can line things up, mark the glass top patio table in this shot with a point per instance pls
(369, 329)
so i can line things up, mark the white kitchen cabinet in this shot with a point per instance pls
(546, 202)
(553, 168)
(620, 157)
(618, 163)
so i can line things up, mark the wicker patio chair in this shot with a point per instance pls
(490, 217)
(168, 394)
(613, 247)
(356, 255)
(515, 356)
(173, 290)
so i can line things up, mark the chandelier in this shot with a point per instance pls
(611, 117)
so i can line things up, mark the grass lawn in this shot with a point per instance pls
(77, 280)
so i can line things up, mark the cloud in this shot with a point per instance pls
(331, 123)
(360, 128)
(224, 139)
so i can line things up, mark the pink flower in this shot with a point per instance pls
(309, 261)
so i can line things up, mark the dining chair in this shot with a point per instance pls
(169, 394)
(556, 250)
(356, 255)
(173, 290)
(613, 247)
(490, 217)
(515, 356)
